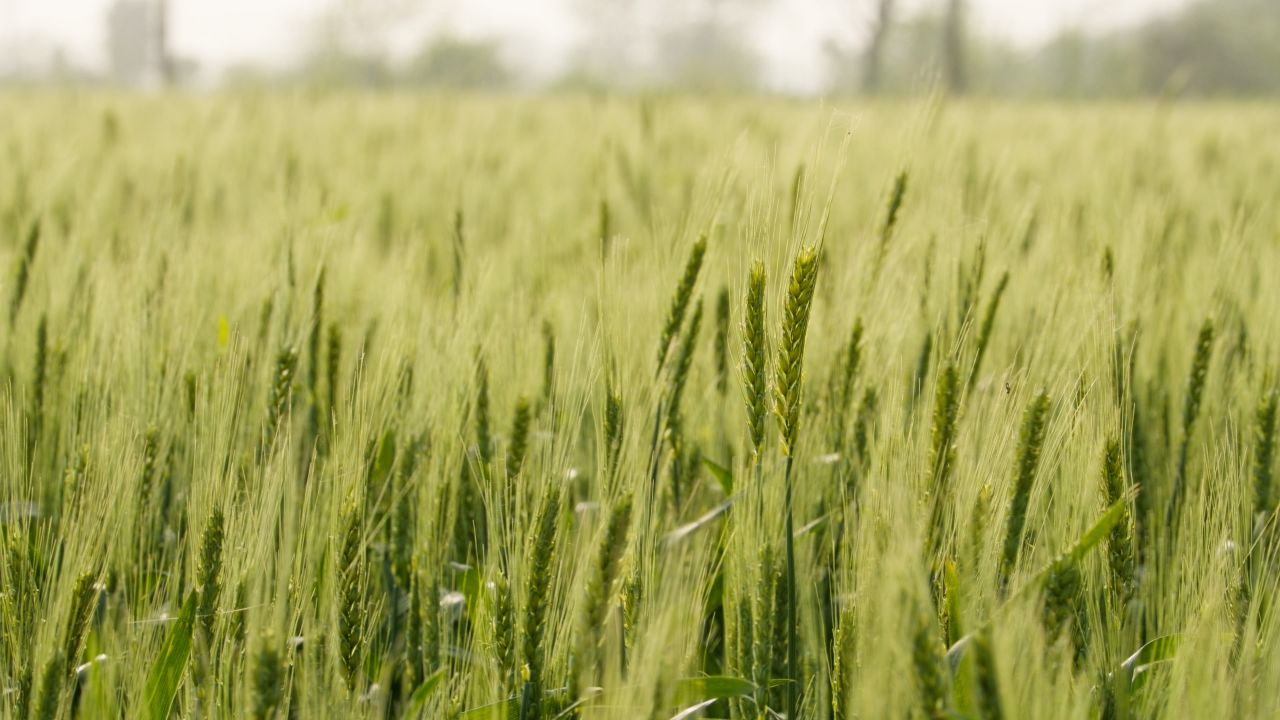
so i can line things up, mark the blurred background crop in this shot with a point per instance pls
(1016, 48)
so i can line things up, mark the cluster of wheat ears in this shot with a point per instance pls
(410, 408)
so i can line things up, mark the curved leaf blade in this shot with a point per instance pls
(166, 674)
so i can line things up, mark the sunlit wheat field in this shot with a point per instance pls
(637, 407)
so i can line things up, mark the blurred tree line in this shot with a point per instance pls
(687, 44)
(1207, 47)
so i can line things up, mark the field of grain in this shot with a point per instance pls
(534, 408)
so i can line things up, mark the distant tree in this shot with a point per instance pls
(955, 64)
(874, 59)
(349, 41)
(611, 49)
(691, 44)
(707, 54)
(705, 45)
(1224, 47)
(164, 62)
(1209, 47)
(860, 33)
(449, 61)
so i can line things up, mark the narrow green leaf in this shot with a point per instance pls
(1159, 650)
(1137, 668)
(1087, 541)
(955, 653)
(688, 529)
(385, 458)
(423, 693)
(166, 673)
(712, 687)
(720, 473)
(494, 710)
(693, 710)
(1099, 531)
(470, 587)
(573, 709)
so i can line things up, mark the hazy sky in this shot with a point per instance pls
(790, 33)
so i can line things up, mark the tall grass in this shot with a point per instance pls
(351, 407)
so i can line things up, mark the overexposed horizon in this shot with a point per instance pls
(539, 34)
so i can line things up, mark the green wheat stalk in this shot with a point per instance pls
(1264, 440)
(84, 598)
(1190, 412)
(680, 299)
(548, 363)
(984, 332)
(484, 436)
(613, 427)
(942, 450)
(22, 275)
(268, 680)
(896, 197)
(208, 572)
(537, 599)
(755, 360)
(1029, 446)
(350, 595)
(1119, 543)
(722, 341)
(788, 388)
(519, 444)
(675, 394)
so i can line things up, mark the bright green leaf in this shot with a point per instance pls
(720, 473)
(166, 673)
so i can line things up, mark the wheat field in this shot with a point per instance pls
(637, 407)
